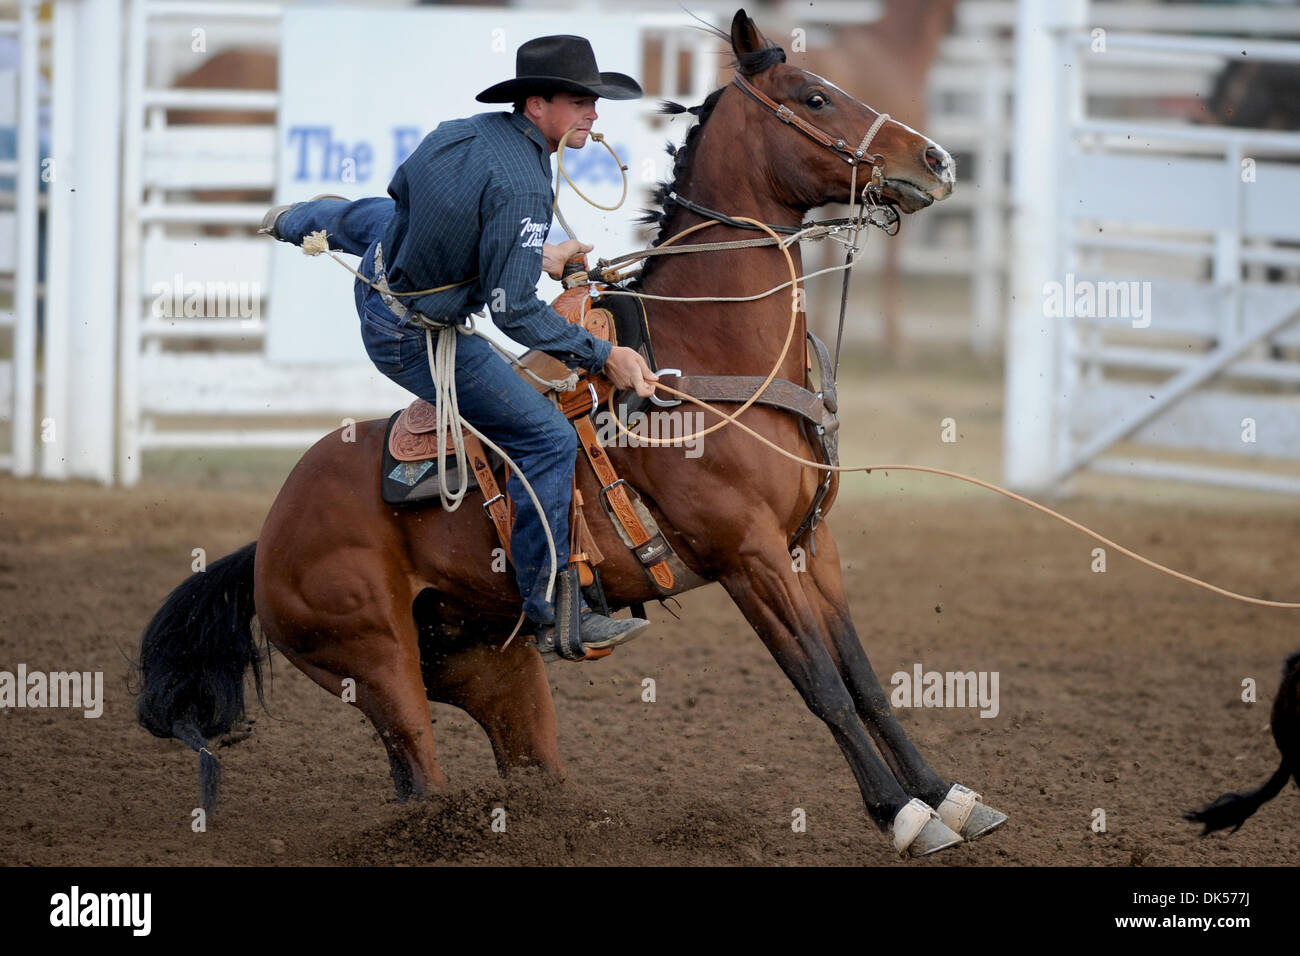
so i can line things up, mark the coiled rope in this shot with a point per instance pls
(443, 371)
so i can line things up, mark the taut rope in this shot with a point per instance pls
(732, 419)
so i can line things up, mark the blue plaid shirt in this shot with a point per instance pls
(475, 199)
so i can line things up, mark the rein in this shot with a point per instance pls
(605, 271)
(891, 221)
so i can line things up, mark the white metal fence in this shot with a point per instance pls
(971, 93)
(1157, 300)
(178, 367)
(22, 101)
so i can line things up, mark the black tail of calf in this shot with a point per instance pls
(1233, 809)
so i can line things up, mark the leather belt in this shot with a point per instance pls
(395, 304)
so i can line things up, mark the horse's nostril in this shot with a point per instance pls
(936, 159)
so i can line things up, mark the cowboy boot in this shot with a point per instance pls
(589, 631)
(267, 228)
(598, 633)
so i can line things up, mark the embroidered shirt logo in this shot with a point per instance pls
(532, 233)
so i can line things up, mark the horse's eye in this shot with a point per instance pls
(816, 101)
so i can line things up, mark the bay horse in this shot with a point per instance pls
(404, 606)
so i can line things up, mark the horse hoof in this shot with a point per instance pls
(918, 831)
(983, 820)
(934, 836)
(963, 812)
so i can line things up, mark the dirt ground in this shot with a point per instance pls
(1119, 691)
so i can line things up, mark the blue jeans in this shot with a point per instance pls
(491, 395)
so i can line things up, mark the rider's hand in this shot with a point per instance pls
(554, 257)
(627, 369)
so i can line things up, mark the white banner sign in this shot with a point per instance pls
(360, 89)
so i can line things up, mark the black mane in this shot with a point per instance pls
(747, 64)
(681, 161)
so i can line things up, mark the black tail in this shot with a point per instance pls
(193, 656)
(1233, 809)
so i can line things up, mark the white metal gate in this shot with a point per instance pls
(57, 388)
(23, 99)
(1156, 294)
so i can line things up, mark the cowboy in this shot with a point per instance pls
(474, 200)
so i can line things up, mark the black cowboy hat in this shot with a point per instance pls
(560, 64)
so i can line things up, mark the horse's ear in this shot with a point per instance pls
(745, 37)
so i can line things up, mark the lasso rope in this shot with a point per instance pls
(314, 243)
(443, 372)
(561, 171)
(732, 419)
(446, 413)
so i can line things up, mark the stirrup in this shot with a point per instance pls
(595, 645)
(592, 654)
(544, 641)
(567, 633)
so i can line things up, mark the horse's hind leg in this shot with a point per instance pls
(381, 656)
(506, 692)
(826, 594)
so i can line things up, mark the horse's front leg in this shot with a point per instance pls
(766, 588)
(959, 807)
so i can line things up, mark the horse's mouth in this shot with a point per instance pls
(908, 197)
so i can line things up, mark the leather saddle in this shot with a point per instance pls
(410, 457)
(410, 473)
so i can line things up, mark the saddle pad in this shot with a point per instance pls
(408, 483)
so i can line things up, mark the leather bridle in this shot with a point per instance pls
(853, 157)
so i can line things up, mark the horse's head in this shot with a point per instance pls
(811, 133)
